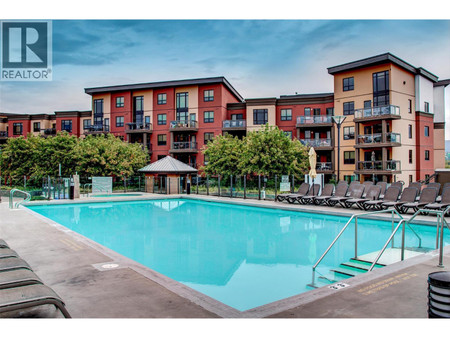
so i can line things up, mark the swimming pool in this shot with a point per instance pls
(115, 195)
(239, 255)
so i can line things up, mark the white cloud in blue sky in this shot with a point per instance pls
(260, 58)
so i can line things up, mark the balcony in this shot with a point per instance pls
(314, 121)
(376, 140)
(137, 128)
(96, 129)
(48, 132)
(319, 143)
(324, 167)
(190, 125)
(377, 113)
(184, 147)
(378, 167)
(3, 135)
(234, 125)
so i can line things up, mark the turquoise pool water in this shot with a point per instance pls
(241, 256)
(115, 195)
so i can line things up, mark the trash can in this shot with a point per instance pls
(439, 294)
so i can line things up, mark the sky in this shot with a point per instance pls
(260, 58)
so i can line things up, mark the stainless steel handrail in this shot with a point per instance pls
(11, 198)
(85, 187)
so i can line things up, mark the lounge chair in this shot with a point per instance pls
(3, 244)
(13, 263)
(417, 185)
(445, 201)
(302, 190)
(367, 185)
(313, 192)
(391, 195)
(18, 277)
(383, 186)
(355, 192)
(398, 184)
(409, 195)
(373, 193)
(427, 196)
(25, 297)
(341, 191)
(350, 187)
(446, 185)
(327, 191)
(6, 253)
(435, 185)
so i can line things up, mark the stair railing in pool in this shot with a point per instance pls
(11, 198)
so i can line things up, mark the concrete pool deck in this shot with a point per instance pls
(82, 273)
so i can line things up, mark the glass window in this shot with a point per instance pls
(86, 124)
(410, 130)
(235, 117)
(208, 137)
(106, 126)
(147, 121)
(410, 156)
(348, 84)
(330, 111)
(182, 100)
(349, 108)
(410, 106)
(410, 178)
(349, 133)
(427, 107)
(162, 119)
(286, 114)
(120, 101)
(162, 98)
(162, 139)
(368, 104)
(316, 111)
(120, 121)
(98, 112)
(427, 155)
(260, 116)
(208, 117)
(427, 131)
(307, 111)
(37, 126)
(208, 95)
(288, 134)
(380, 88)
(307, 134)
(66, 125)
(349, 157)
(17, 128)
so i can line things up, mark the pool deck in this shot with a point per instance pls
(74, 267)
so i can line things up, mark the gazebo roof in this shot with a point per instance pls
(168, 165)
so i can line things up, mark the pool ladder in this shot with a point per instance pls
(27, 198)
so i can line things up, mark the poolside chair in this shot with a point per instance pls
(398, 184)
(3, 244)
(327, 191)
(435, 185)
(408, 195)
(367, 185)
(13, 263)
(26, 297)
(350, 187)
(19, 277)
(383, 186)
(6, 253)
(391, 195)
(341, 191)
(417, 185)
(427, 196)
(355, 192)
(302, 190)
(313, 192)
(445, 201)
(446, 185)
(373, 193)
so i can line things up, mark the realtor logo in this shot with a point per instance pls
(25, 51)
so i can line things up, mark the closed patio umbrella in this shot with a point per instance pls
(312, 163)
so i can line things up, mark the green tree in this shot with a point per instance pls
(223, 155)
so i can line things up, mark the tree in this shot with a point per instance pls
(223, 155)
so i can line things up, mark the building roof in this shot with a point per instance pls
(381, 59)
(165, 84)
(168, 165)
(444, 83)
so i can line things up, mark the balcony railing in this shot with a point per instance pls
(233, 124)
(377, 111)
(324, 166)
(49, 131)
(184, 146)
(393, 138)
(183, 124)
(3, 134)
(96, 128)
(321, 142)
(314, 119)
(377, 138)
(139, 126)
(391, 165)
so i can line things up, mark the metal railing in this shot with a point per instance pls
(378, 138)
(11, 198)
(96, 128)
(184, 146)
(234, 124)
(377, 111)
(314, 119)
(3, 134)
(138, 126)
(183, 124)
(49, 131)
(391, 165)
(321, 142)
(324, 166)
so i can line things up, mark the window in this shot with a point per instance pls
(208, 137)
(86, 124)
(120, 101)
(307, 134)
(208, 117)
(182, 100)
(162, 119)
(410, 178)
(162, 98)
(66, 125)
(427, 155)
(410, 130)
(208, 95)
(235, 117)
(288, 134)
(349, 157)
(349, 108)
(162, 139)
(119, 121)
(286, 114)
(349, 133)
(147, 121)
(427, 131)
(260, 116)
(160, 157)
(368, 104)
(380, 89)
(307, 111)
(17, 128)
(37, 126)
(410, 106)
(98, 112)
(138, 110)
(330, 111)
(427, 107)
(410, 156)
(106, 126)
(348, 84)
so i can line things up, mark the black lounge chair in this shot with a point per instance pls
(445, 201)
(313, 192)
(341, 191)
(409, 195)
(355, 192)
(435, 185)
(7, 253)
(350, 187)
(302, 190)
(417, 185)
(383, 186)
(373, 193)
(427, 196)
(367, 185)
(391, 195)
(25, 297)
(327, 191)
(3, 244)
(13, 263)
(398, 184)
(18, 277)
